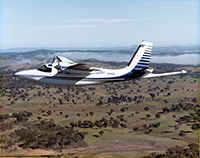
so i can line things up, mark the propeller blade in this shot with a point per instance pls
(58, 59)
(54, 58)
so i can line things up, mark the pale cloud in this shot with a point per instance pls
(80, 26)
(88, 23)
(115, 20)
(53, 27)
(100, 20)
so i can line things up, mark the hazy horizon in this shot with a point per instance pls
(24, 49)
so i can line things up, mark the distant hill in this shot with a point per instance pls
(157, 49)
(103, 54)
(29, 54)
(24, 49)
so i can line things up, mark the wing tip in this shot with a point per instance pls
(183, 72)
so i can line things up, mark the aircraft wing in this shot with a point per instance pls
(65, 62)
(68, 66)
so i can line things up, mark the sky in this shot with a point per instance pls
(98, 23)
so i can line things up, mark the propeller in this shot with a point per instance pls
(58, 59)
(59, 67)
(54, 58)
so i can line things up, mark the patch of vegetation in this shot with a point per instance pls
(179, 152)
(48, 135)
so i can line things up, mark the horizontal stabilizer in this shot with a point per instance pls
(149, 75)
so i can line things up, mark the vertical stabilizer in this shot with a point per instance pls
(141, 58)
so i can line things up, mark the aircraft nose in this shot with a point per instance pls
(19, 74)
(23, 74)
(28, 75)
(16, 74)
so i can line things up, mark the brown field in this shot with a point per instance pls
(131, 130)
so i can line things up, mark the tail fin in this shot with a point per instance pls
(141, 58)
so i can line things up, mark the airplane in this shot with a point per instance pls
(63, 71)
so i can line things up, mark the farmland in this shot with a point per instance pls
(132, 118)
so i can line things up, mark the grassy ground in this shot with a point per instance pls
(115, 142)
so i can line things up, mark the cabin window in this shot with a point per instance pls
(44, 68)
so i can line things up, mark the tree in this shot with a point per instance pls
(176, 127)
(80, 123)
(115, 125)
(73, 124)
(123, 125)
(145, 126)
(100, 102)
(194, 147)
(66, 116)
(157, 115)
(49, 112)
(91, 113)
(137, 112)
(6, 116)
(112, 110)
(157, 124)
(194, 127)
(98, 124)
(78, 114)
(194, 100)
(124, 109)
(165, 101)
(101, 133)
(148, 115)
(39, 118)
(21, 118)
(165, 109)
(150, 130)
(60, 101)
(105, 124)
(136, 129)
(152, 95)
(130, 99)
(182, 133)
(146, 108)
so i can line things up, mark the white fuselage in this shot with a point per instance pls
(97, 76)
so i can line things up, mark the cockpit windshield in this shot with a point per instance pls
(44, 68)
